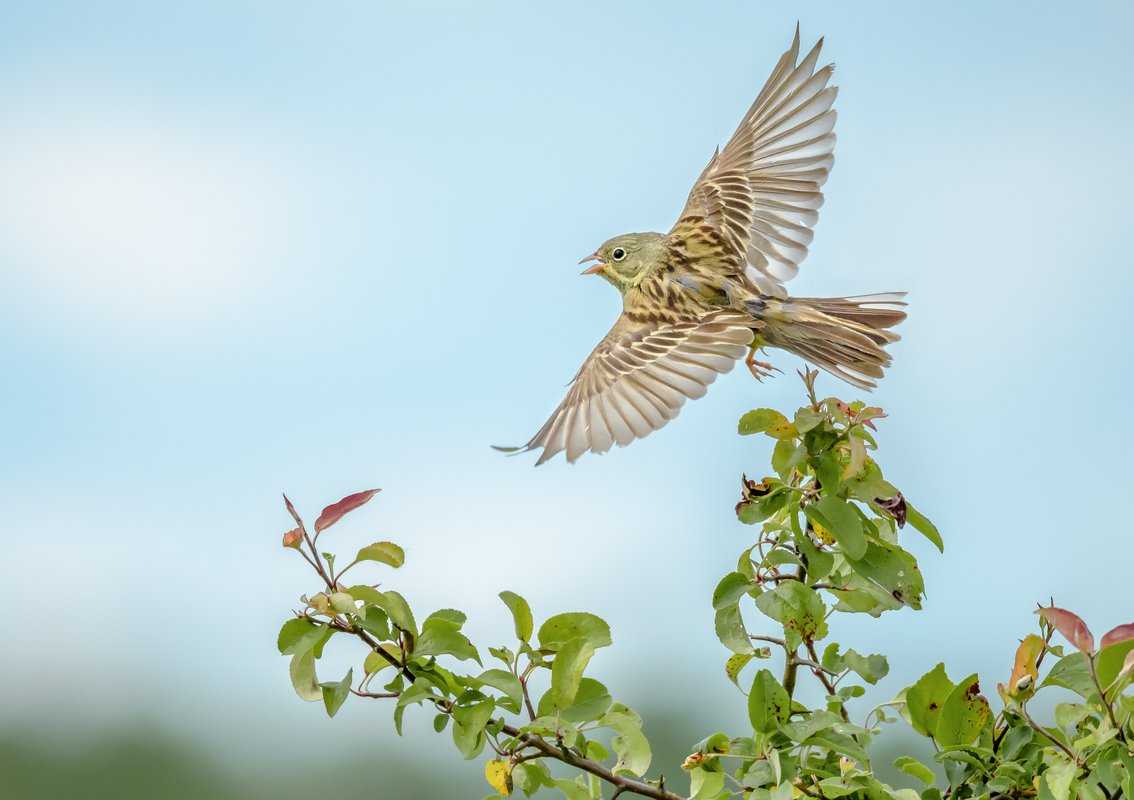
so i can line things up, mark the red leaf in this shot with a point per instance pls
(1120, 634)
(336, 511)
(1071, 626)
(292, 538)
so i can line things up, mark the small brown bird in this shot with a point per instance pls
(710, 292)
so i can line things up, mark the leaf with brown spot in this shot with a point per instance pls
(964, 714)
(1071, 626)
(336, 511)
(924, 699)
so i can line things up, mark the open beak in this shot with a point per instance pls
(594, 269)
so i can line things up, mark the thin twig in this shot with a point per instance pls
(1048, 736)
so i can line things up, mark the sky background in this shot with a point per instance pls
(253, 247)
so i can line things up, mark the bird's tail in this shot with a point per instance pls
(843, 335)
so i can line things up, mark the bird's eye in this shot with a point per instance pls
(618, 254)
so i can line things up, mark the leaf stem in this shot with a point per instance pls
(1102, 697)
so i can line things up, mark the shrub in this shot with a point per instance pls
(828, 540)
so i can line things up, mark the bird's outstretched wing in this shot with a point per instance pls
(637, 379)
(760, 195)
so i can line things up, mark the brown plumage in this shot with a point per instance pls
(699, 298)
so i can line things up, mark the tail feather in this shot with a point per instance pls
(843, 335)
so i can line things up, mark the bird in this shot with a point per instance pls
(710, 292)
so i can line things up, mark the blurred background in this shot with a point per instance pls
(253, 247)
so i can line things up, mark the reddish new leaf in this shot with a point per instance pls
(1120, 634)
(336, 511)
(1071, 626)
(292, 538)
(291, 510)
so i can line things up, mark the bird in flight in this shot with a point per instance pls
(711, 291)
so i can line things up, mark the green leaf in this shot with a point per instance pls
(964, 714)
(383, 553)
(376, 622)
(806, 419)
(562, 628)
(399, 611)
(911, 766)
(893, 569)
(505, 681)
(766, 420)
(1068, 715)
(870, 668)
(797, 607)
(567, 670)
(450, 617)
(804, 729)
(819, 562)
(768, 703)
(1071, 672)
(1059, 777)
(863, 596)
(828, 469)
(705, 785)
(468, 726)
(298, 636)
(442, 637)
(838, 787)
(521, 614)
(1108, 663)
(840, 743)
(335, 694)
(530, 776)
(572, 790)
(730, 589)
(840, 519)
(730, 630)
(752, 511)
(302, 671)
(925, 698)
(367, 595)
(376, 663)
(416, 693)
(633, 751)
(922, 525)
(787, 455)
(592, 700)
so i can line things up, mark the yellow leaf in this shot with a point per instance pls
(824, 535)
(1024, 672)
(499, 776)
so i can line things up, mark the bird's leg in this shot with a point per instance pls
(759, 369)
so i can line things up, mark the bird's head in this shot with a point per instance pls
(625, 260)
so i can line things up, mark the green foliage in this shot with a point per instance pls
(828, 540)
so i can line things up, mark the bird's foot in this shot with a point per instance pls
(759, 369)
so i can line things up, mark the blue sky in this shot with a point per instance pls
(247, 247)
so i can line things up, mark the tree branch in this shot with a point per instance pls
(620, 782)
(547, 749)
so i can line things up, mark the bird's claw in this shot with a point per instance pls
(759, 369)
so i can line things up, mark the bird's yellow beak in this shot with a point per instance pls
(594, 269)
